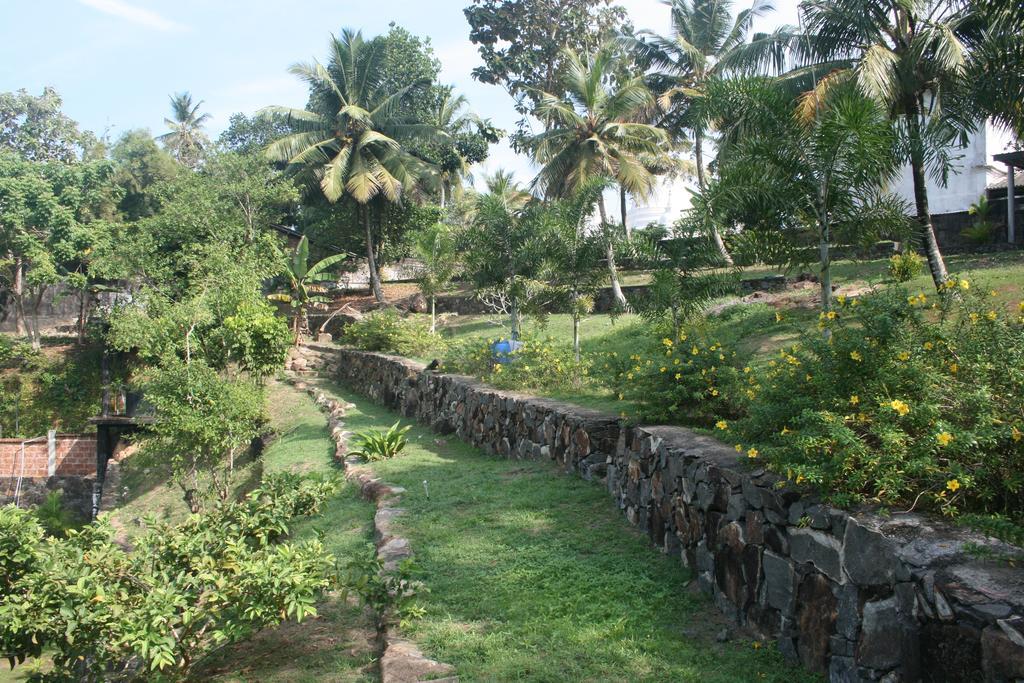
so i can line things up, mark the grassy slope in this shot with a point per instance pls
(750, 329)
(535, 576)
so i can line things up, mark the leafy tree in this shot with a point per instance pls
(506, 248)
(140, 165)
(52, 214)
(572, 253)
(305, 283)
(808, 174)
(349, 139)
(36, 129)
(523, 45)
(706, 43)
(186, 140)
(597, 133)
(434, 246)
(910, 57)
(250, 134)
(203, 421)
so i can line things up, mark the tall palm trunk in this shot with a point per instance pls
(622, 210)
(698, 153)
(371, 257)
(936, 264)
(620, 298)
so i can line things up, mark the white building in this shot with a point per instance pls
(975, 168)
(975, 171)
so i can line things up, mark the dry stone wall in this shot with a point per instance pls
(857, 596)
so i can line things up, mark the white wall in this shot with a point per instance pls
(975, 171)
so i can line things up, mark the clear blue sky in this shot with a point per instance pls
(116, 61)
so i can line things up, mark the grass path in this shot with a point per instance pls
(535, 576)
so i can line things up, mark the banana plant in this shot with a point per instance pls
(305, 284)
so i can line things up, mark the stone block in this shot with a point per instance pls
(815, 621)
(779, 582)
(818, 548)
(869, 558)
(888, 639)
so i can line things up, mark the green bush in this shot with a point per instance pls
(100, 611)
(695, 381)
(55, 518)
(387, 331)
(908, 400)
(377, 444)
(540, 364)
(906, 266)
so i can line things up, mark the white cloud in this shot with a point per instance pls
(135, 15)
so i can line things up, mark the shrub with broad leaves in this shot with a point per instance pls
(103, 613)
(387, 331)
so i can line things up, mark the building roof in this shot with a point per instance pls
(1011, 158)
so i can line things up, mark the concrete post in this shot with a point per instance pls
(1011, 206)
(51, 452)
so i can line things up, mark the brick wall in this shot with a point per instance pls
(75, 456)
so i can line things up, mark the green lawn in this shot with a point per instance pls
(535, 576)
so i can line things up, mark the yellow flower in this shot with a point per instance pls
(695, 350)
(899, 406)
(714, 392)
(855, 355)
(620, 397)
(953, 485)
(629, 375)
(667, 342)
(965, 284)
(753, 453)
(663, 368)
(854, 400)
(928, 346)
(778, 317)
(800, 479)
(679, 375)
(991, 315)
(944, 438)
(953, 367)
(739, 448)
(831, 315)
(974, 317)
(1017, 434)
(903, 356)
(722, 424)
(746, 370)
(841, 299)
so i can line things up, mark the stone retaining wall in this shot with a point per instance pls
(858, 596)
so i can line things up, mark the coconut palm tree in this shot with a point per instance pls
(599, 131)
(450, 115)
(706, 43)
(908, 55)
(349, 139)
(186, 140)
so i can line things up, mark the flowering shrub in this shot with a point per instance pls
(538, 364)
(915, 400)
(905, 266)
(387, 331)
(692, 380)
